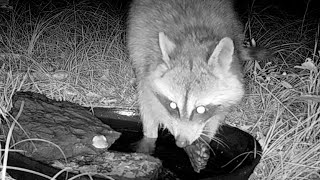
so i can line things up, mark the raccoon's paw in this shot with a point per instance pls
(199, 154)
(145, 145)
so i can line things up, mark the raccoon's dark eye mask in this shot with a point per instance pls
(196, 115)
(210, 110)
(169, 105)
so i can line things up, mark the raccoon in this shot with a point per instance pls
(186, 55)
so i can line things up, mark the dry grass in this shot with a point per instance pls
(75, 54)
(282, 105)
(78, 54)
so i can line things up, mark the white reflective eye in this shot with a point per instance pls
(201, 109)
(173, 105)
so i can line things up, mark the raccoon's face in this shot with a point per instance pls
(195, 88)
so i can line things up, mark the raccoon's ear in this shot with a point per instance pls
(166, 47)
(222, 54)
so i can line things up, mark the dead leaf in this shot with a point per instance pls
(308, 65)
(60, 75)
(286, 84)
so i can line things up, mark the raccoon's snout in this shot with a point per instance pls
(182, 142)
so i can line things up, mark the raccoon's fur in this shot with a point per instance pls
(186, 55)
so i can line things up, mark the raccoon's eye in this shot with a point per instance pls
(170, 106)
(173, 105)
(201, 109)
(173, 109)
(203, 113)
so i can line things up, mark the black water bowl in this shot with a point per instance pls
(235, 160)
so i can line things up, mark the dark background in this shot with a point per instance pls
(291, 7)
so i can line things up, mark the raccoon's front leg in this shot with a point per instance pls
(149, 120)
(150, 134)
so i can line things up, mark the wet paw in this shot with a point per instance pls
(199, 154)
(145, 145)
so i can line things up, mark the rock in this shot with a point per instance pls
(120, 166)
(107, 165)
(82, 137)
(67, 125)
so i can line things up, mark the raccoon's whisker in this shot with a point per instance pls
(205, 142)
(245, 154)
(218, 140)
(221, 142)
(206, 130)
(206, 135)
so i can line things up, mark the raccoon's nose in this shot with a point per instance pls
(181, 142)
